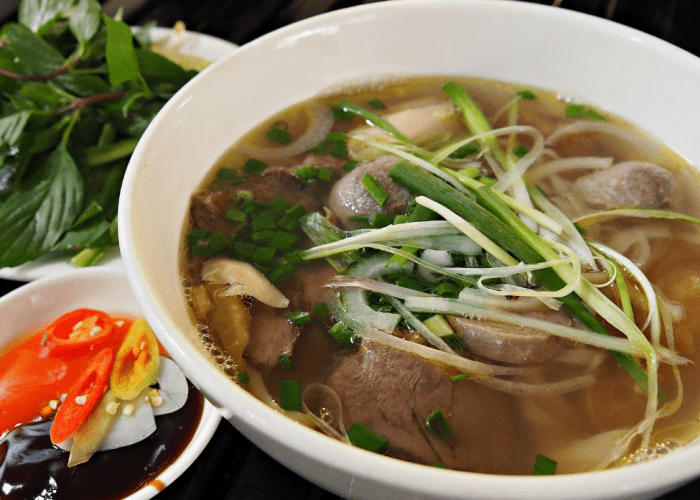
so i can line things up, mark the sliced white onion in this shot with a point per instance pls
(172, 387)
(320, 126)
(130, 429)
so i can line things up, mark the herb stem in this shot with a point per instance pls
(82, 102)
(65, 68)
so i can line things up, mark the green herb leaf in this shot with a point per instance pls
(44, 207)
(121, 55)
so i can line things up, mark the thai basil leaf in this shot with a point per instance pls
(41, 210)
(84, 19)
(37, 56)
(121, 55)
(36, 13)
(91, 229)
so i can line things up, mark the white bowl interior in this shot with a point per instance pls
(106, 289)
(635, 76)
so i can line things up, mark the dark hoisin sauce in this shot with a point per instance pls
(32, 468)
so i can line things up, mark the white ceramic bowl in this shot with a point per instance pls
(626, 72)
(35, 305)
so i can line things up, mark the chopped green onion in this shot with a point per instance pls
(197, 235)
(278, 133)
(464, 151)
(350, 165)
(262, 236)
(440, 465)
(526, 94)
(285, 362)
(325, 174)
(375, 189)
(544, 466)
(263, 254)
(520, 151)
(459, 378)
(265, 220)
(218, 241)
(283, 240)
(437, 425)
(377, 121)
(280, 205)
(580, 111)
(308, 173)
(44, 338)
(344, 335)
(281, 273)
(243, 251)
(243, 378)
(376, 104)
(235, 215)
(227, 173)
(366, 438)
(321, 309)
(254, 167)
(299, 317)
(201, 251)
(290, 395)
(379, 219)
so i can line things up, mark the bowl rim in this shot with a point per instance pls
(636, 479)
(210, 418)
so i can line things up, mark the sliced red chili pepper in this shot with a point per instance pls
(137, 362)
(78, 331)
(82, 396)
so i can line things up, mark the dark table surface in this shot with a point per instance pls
(231, 467)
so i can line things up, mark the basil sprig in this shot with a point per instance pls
(76, 93)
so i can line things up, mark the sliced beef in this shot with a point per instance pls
(272, 335)
(349, 198)
(507, 343)
(207, 209)
(393, 392)
(630, 184)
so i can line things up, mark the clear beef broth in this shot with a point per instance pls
(493, 431)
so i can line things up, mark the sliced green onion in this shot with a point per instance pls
(437, 425)
(299, 317)
(243, 378)
(321, 309)
(278, 133)
(325, 174)
(290, 395)
(526, 94)
(307, 173)
(544, 466)
(366, 438)
(376, 104)
(285, 362)
(263, 255)
(373, 119)
(375, 189)
(218, 241)
(459, 378)
(350, 165)
(254, 167)
(345, 335)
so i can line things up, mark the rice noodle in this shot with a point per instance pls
(321, 122)
(516, 172)
(562, 165)
(587, 127)
(543, 389)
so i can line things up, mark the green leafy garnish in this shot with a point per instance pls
(78, 90)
